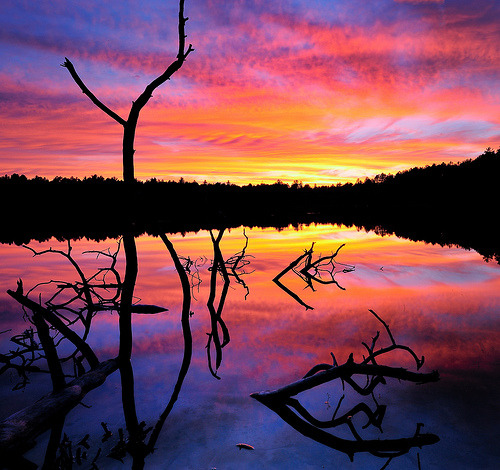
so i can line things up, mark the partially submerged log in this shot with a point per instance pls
(21, 428)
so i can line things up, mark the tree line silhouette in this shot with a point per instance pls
(442, 203)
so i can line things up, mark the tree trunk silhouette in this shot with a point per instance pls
(130, 124)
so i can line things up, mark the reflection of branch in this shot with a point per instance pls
(216, 315)
(59, 325)
(191, 267)
(86, 290)
(237, 263)
(393, 346)
(188, 340)
(125, 347)
(312, 271)
(373, 446)
(67, 255)
(282, 403)
(26, 354)
(374, 417)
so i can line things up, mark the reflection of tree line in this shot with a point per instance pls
(67, 315)
(444, 204)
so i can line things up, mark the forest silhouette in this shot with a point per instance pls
(447, 203)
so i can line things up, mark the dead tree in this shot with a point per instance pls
(130, 124)
(283, 402)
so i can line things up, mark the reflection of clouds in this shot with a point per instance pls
(441, 302)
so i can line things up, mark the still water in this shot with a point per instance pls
(441, 302)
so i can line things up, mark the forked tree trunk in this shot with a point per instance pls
(130, 125)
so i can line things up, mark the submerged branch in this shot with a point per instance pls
(71, 69)
(59, 325)
(21, 428)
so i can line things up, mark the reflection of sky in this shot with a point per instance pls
(336, 90)
(442, 302)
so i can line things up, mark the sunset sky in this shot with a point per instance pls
(322, 91)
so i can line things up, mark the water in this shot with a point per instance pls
(441, 302)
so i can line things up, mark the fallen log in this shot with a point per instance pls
(19, 430)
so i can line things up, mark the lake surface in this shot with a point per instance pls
(441, 302)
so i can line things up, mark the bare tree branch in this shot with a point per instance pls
(71, 69)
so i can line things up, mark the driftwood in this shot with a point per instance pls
(21, 428)
(345, 372)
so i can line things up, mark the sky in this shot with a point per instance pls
(320, 91)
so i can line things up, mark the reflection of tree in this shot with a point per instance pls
(236, 265)
(322, 271)
(55, 323)
(188, 341)
(216, 321)
(283, 403)
(70, 308)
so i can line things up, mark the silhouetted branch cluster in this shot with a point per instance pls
(281, 401)
(322, 271)
(28, 351)
(56, 319)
